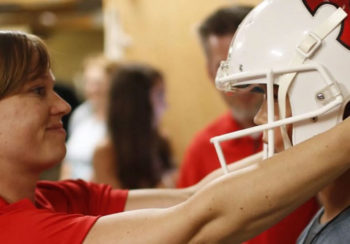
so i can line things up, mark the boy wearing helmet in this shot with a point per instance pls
(297, 53)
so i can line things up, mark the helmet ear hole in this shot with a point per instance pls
(346, 111)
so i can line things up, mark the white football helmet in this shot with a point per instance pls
(303, 46)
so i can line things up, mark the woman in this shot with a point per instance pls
(87, 126)
(32, 139)
(135, 155)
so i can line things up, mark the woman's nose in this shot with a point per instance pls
(60, 106)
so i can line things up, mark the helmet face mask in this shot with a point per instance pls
(282, 43)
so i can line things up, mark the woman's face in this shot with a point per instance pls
(31, 130)
(159, 105)
(261, 118)
(96, 86)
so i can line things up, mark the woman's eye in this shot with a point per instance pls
(41, 91)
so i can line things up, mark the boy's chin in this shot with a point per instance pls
(278, 150)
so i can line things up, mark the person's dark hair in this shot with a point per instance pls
(23, 57)
(223, 21)
(142, 155)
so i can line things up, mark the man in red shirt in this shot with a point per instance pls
(200, 159)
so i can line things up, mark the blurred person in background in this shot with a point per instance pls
(87, 125)
(216, 33)
(200, 158)
(135, 154)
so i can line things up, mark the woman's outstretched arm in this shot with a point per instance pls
(162, 198)
(236, 207)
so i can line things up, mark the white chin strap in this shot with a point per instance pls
(304, 51)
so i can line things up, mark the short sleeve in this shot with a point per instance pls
(189, 174)
(80, 197)
(22, 222)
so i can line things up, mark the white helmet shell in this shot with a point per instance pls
(309, 41)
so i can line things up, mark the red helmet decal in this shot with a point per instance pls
(344, 35)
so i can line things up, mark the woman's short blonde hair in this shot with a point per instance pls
(23, 57)
(108, 66)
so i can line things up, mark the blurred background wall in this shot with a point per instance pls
(159, 32)
(163, 33)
